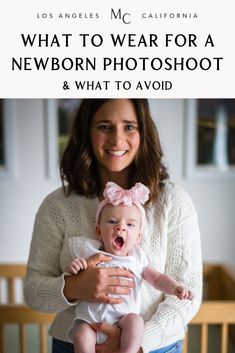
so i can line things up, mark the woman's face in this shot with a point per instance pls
(115, 135)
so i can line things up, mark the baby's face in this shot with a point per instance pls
(119, 228)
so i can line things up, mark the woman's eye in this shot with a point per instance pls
(129, 127)
(104, 127)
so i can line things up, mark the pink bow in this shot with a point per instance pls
(116, 195)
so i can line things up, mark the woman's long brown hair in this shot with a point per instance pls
(78, 166)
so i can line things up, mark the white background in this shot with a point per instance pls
(215, 18)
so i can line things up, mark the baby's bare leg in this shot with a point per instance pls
(132, 326)
(84, 339)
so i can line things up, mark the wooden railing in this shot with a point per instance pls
(219, 288)
(218, 308)
(214, 313)
(20, 314)
(10, 272)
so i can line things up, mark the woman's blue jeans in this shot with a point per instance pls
(172, 348)
(66, 347)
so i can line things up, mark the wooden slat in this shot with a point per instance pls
(2, 340)
(22, 335)
(11, 290)
(20, 313)
(224, 338)
(12, 270)
(43, 336)
(204, 338)
(215, 312)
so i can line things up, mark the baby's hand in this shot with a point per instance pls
(183, 293)
(77, 265)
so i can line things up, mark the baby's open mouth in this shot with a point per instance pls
(119, 242)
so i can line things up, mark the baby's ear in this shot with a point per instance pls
(98, 233)
(138, 240)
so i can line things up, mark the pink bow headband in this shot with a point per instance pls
(115, 195)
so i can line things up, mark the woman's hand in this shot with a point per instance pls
(113, 332)
(112, 344)
(95, 284)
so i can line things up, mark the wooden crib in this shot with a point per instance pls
(13, 313)
(218, 309)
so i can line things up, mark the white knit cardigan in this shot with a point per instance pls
(171, 241)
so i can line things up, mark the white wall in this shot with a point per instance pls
(214, 200)
(21, 195)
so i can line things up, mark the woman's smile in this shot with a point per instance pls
(116, 153)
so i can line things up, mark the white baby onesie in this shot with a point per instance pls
(110, 313)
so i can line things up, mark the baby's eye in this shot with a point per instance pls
(111, 221)
(130, 225)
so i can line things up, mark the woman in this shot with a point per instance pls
(114, 140)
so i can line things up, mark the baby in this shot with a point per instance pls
(120, 220)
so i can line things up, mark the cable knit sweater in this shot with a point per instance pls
(171, 241)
